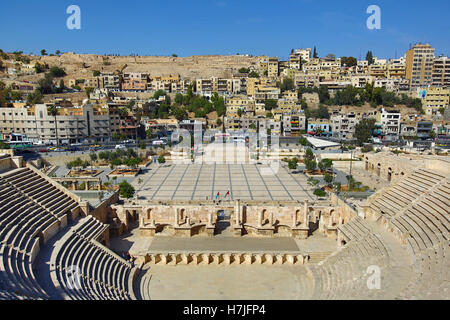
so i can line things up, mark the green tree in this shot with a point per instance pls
(161, 159)
(322, 112)
(320, 193)
(315, 55)
(369, 58)
(432, 134)
(287, 84)
(126, 190)
(293, 163)
(158, 93)
(311, 165)
(303, 141)
(349, 61)
(96, 73)
(325, 164)
(34, 97)
(270, 104)
(364, 130)
(309, 154)
(43, 52)
(57, 72)
(116, 136)
(88, 91)
(143, 145)
(53, 111)
(253, 74)
(93, 156)
(46, 85)
(324, 95)
(328, 178)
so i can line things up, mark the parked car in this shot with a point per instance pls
(158, 142)
(120, 146)
(45, 150)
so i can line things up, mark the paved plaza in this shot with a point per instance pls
(202, 182)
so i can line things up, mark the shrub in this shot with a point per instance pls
(328, 178)
(293, 163)
(320, 193)
(161, 159)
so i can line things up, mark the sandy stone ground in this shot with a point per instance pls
(228, 282)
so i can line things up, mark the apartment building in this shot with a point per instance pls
(272, 68)
(249, 124)
(434, 98)
(419, 65)
(396, 69)
(70, 125)
(306, 80)
(377, 70)
(294, 123)
(408, 129)
(388, 120)
(214, 84)
(239, 83)
(305, 54)
(287, 106)
(135, 76)
(240, 102)
(392, 84)
(135, 85)
(111, 82)
(441, 72)
(295, 61)
(270, 125)
(344, 120)
(319, 125)
(262, 88)
(361, 81)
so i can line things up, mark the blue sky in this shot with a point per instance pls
(195, 27)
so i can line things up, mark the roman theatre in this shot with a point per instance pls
(227, 231)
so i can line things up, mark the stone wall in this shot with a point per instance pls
(262, 219)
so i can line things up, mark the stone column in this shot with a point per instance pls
(260, 219)
(294, 219)
(209, 219)
(87, 185)
(175, 212)
(306, 214)
(271, 219)
(237, 211)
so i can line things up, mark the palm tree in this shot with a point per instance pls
(53, 111)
